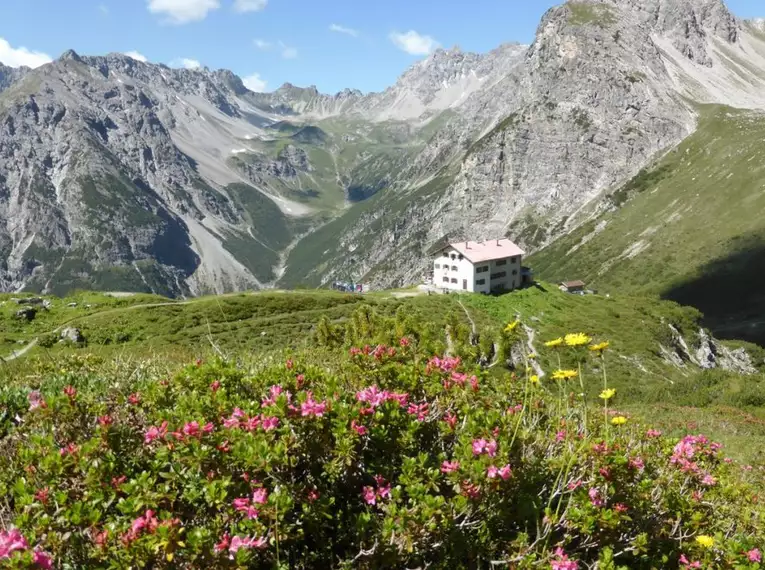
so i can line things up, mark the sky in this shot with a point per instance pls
(333, 44)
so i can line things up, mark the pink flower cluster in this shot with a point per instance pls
(376, 397)
(273, 395)
(239, 420)
(489, 447)
(446, 364)
(12, 541)
(379, 352)
(503, 473)
(691, 447)
(595, 498)
(146, 523)
(450, 466)
(451, 420)
(562, 561)
(459, 379)
(247, 505)
(233, 545)
(372, 495)
(687, 564)
(359, 428)
(419, 410)
(312, 408)
(68, 449)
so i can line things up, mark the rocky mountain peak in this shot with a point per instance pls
(70, 55)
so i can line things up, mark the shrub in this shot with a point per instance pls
(378, 457)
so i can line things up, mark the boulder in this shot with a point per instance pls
(26, 314)
(72, 334)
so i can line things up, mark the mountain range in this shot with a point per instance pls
(117, 174)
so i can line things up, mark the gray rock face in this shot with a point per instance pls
(10, 75)
(71, 334)
(122, 175)
(603, 90)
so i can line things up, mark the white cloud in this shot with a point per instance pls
(289, 53)
(413, 43)
(249, 5)
(183, 11)
(262, 44)
(136, 56)
(17, 57)
(186, 63)
(255, 83)
(343, 30)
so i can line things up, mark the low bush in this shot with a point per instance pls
(377, 457)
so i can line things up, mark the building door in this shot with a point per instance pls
(464, 284)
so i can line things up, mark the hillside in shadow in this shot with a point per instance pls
(730, 291)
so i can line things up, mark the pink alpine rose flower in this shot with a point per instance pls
(754, 555)
(358, 428)
(260, 496)
(369, 495)
(269, 423)
(154, 433)
(479, 446)
(11, 541)
(42, 560)
(562, 561)
(450, 466)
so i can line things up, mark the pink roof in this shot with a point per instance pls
(487, 250)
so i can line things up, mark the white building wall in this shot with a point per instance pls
(469, 277)
(451, 272)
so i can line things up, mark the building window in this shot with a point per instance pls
(515, 272)
(483, 269)
(499, 275)
(438, 266)
(461, 257)
(501, 262)
(454, 256)
(481, 282)
(454, 280)
(446, 279)
(455, 268)
(514, 260)
(446, 254)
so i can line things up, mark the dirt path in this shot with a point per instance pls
(530, 334)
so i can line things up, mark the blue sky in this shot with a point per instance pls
(332, 44)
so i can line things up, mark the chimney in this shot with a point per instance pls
(467, 245)
(497, 242)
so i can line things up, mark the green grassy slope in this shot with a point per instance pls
(689, 228)
(725, 404)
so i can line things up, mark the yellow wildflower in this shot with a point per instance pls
(512, 326)
(599, 347)
(564, 374)
(532, 356)
(577, 339)
(705, 541)
(619, 420)
(608, 394)
(554, 343)
(534, 379)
